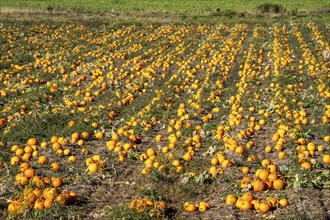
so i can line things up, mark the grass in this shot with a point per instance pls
(174, 6)
(270, 8)
(175, 10)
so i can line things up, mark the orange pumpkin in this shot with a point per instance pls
(264, 207)
(278, 184)
(259, 186)
(231, 199)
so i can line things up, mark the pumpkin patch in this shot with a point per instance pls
(164, 120)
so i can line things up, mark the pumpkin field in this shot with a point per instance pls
(133, 120)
